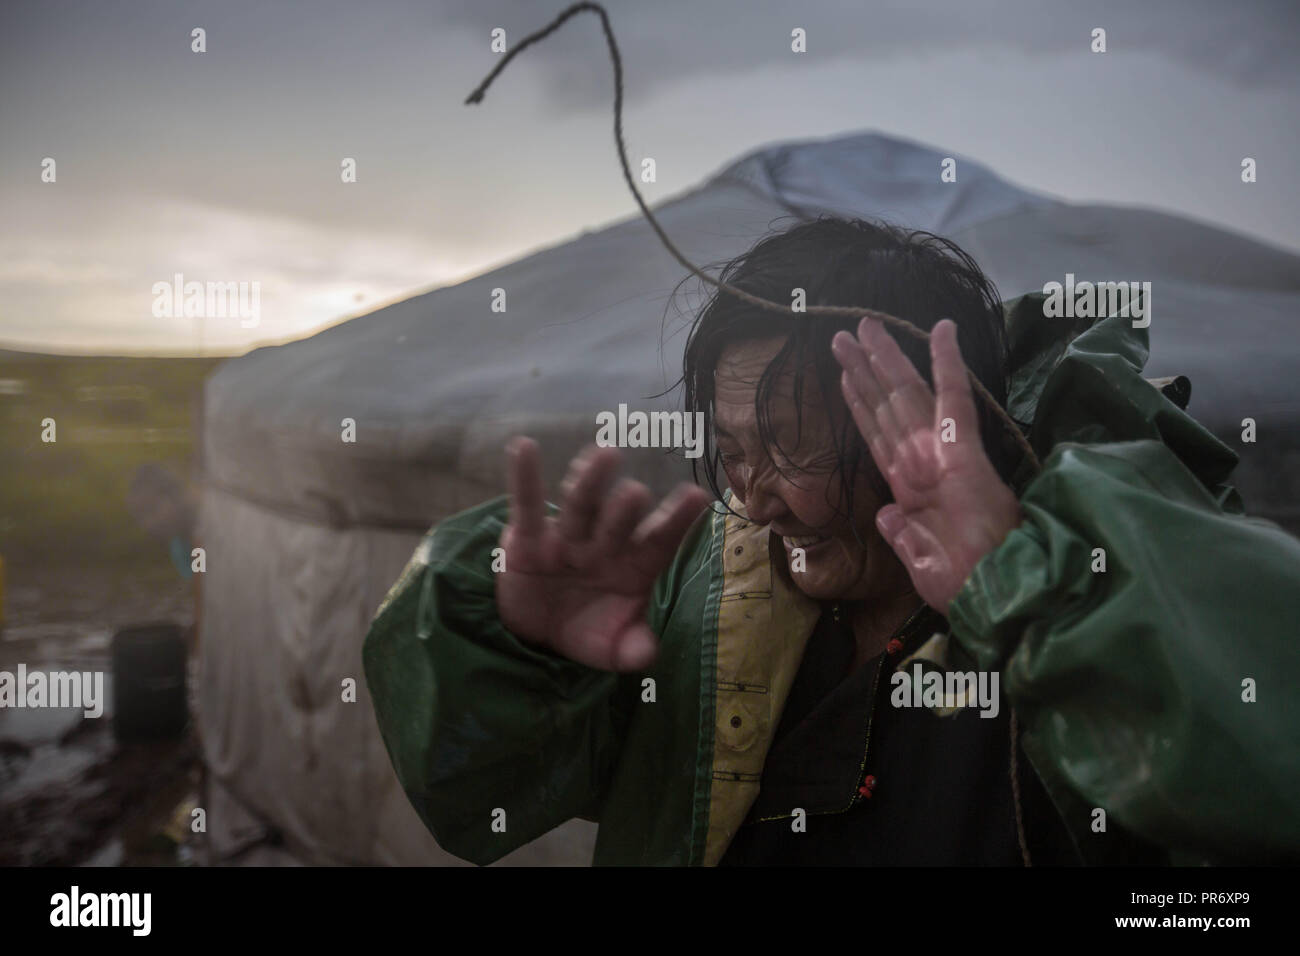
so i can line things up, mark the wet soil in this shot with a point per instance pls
(70, 793)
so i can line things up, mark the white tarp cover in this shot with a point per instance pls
(304, 532)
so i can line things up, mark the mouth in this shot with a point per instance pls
(806, 541)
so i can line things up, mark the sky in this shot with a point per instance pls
(224, 165)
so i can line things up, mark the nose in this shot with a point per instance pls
(762, 502)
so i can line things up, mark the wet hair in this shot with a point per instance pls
(915, 275)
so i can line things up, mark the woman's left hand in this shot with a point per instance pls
(950, 507)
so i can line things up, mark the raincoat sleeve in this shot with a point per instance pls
(495, 740)
(1145, 628)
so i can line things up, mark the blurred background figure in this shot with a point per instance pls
(166, 508)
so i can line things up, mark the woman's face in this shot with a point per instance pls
(801, 500)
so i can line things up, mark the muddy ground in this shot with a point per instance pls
(70, 794)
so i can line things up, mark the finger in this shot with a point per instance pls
(636, 649)
(902, 460)
(524, 484)
(953, 396)
(619, 516)
(910, 398)
(911, 402)
(914, 545)
(881, 451)
(657, 537)
(864, 385)
(583, 488)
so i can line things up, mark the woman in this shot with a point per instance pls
(740, 684)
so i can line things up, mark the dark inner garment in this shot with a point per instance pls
(942, 794)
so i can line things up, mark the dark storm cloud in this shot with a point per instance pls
(228, 163)
(1254, 43)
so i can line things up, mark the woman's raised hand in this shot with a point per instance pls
(579, 582)
(950, 506)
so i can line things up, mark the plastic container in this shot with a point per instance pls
(149, 695)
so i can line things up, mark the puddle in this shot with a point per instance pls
(70, 793)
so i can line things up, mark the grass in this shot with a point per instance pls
(63, 503)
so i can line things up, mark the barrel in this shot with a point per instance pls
(149, 667)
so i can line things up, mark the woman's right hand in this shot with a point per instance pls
(579, 583)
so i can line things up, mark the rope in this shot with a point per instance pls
(842, 310)
(1015, 792)
(759, 302)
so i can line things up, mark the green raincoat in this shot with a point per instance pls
(1163, 689)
